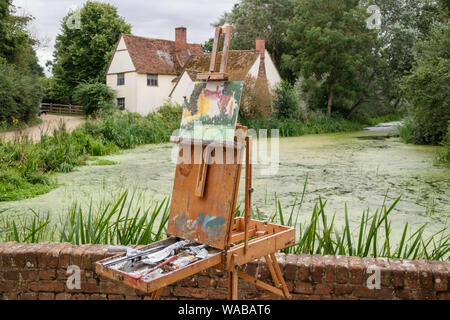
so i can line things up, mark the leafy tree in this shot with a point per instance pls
(331, 43)
(427, 88)
(402, 24)
(82, 54)
(94, 97)
(16, 45)
(20, 94)
(254, 19)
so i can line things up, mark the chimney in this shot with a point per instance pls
(180, 39)
(181, 48)
(261, 47)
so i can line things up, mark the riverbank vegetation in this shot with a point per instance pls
(125, 221)
(26, 167)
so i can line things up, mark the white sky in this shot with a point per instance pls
(151, 18)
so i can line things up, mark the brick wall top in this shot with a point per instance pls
(38, 271)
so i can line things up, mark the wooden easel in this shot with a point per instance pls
(207, 192)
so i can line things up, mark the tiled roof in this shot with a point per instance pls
(157, 56)
(239, 63)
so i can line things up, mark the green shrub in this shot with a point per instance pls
(444, 155)
(286, 102)
(20, 95)
(94, 97)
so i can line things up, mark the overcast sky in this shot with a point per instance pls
(150, 18)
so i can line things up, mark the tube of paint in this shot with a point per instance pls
(183, 261)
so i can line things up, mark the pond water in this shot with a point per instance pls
(355, 169)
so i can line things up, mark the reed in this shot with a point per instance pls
(124, 221)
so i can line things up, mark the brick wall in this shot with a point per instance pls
(38, 271)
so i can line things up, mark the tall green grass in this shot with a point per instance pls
(112, 222)
(123, 221)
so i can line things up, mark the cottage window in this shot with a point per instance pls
(121, 103)
(152, 80)
(120, 79)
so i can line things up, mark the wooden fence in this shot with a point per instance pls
(57, 108)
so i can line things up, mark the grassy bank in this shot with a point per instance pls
(26, 167)
(124, 221)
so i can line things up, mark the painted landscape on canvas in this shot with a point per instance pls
(211, 110)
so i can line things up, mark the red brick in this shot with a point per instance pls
(443, 295)
(406, 294)
(46, 296)
(251, 268)
(115, 297)
(356, 266)
(440, 275)
(425, 274)
(303, 287)
(110, 287)
(330, 268)
(29, 275)
(342, 289)
(397, 273)
(97, 296)
(52, 254)
(411, 274)
(199, 293)
(80, 296)
(323, 289)
(63, 296)
(342, 269)
(48, 274)
(64, 257)
(11, 275)
(317, 268)
(364, 292)
(304, 266)
(29, 296)
(53, 286)
(290, 269)
(218, 294)
(189, 281)
(424, 294)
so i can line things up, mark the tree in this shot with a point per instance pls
(82, 54)
(254, 19)
(427, 88)
(402, 24)
(331, 43)
(16, 44)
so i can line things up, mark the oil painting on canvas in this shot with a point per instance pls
(211, 110)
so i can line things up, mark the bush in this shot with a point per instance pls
(20, 95)
(94, 97)
(286, 102)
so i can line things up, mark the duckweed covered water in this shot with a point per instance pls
(356, 169)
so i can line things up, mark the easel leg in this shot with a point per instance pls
(233, 285)
(269, 264)
(156, 295)
(280, 276)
